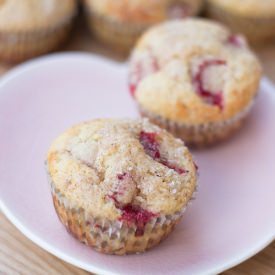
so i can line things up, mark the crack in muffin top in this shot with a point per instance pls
(109, 166)
(193, 71)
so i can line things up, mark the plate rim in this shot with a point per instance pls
(57, 57)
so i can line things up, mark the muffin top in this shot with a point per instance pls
(31, 15)
(254, 8)
(144, 11)
(193, 71)
(114, 168)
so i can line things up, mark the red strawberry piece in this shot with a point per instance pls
(211, 97)
(152, 148)
(142, 68)
(150, 144)
(136, 215)
(236, 40)
(178, 10)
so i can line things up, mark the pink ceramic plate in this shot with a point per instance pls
(232, 218)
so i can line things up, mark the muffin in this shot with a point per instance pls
(120, 186)
(253, 18)
(119, 23)
(194, 78)
(29, 27)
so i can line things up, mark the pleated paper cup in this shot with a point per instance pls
(257, 30)
(117, 237)
(20, 46)
(120, 36)
(200, 135)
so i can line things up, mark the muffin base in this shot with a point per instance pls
(257, 30)
(119, 36)
(111, 237)
(200, 135)
(122, 36)
(17, 47)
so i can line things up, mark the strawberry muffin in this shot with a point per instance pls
(30, 27)
(120, 186)
(119, 23)
(194, 78)
(253, 18)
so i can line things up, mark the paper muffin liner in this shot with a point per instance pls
(200, 135)
(257, 30)
(19, 46)
(121, 36)
(113, 237)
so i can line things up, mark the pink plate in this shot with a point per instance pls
(232, 219)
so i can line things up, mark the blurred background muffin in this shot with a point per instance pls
(253, 18)
(32, 27)
(194, 78)
(119, 23)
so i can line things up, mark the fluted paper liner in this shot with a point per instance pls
(108, 236)
(19, 46)
(120, 35)
(200, 135)
(257, 30)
